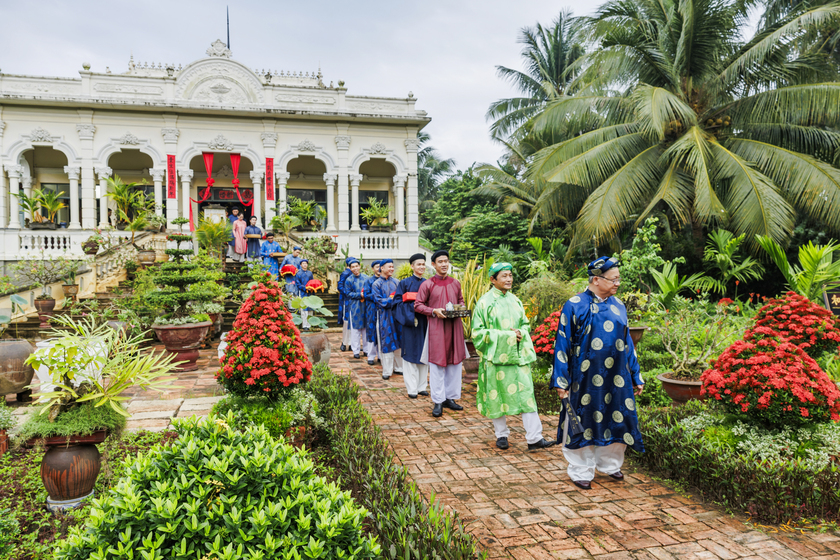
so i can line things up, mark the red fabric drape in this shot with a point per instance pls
(208, 166)
(234, 163)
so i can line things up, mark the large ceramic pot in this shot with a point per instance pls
(183, 341)
(15, 375)
(70, 290)
(70, 468)
(680, 391)
(636, 333)
(46, 309)
(90, 247)
(146, 258)
(470, 365)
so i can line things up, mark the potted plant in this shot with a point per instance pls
(474, 284)
(308, 212)
(92, 244)
(181, 282)
(693, 335)
(636, 304)
(41, 273)
(214, 237)
(15, 375)
(285, 223)
(70, 288)
(376, 215)
(157, 223)
(127, 198)
(90, 366)
(131, 269)
(45, 200)
(7, 422)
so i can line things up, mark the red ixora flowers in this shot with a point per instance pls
(799, 320)
(545, 334)
(265, 352)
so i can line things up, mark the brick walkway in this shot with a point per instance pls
(522, 505)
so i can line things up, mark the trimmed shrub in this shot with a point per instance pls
(406, 525)
(265, 353)
(295, 408)
(219, 493)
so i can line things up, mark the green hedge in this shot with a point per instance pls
(407, 526)
(770, 491)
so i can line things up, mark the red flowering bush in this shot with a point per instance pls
(265, 353)
(799, 320)
(545, 334)
(773, 381)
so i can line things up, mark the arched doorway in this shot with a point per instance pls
(222, 193)
(377, 181)
(45, 166)
(131, 166)
(306, 183)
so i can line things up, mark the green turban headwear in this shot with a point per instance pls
(498, 267)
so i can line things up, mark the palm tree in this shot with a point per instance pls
(548, 53)
(673, 110)
(431, 170)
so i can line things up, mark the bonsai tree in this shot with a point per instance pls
(376, 213)
(44, 271)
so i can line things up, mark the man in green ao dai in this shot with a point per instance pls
(501, 336)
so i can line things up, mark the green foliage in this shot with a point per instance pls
(82, 420)
(181, 282)
(44, 271)
(7, 419)
(725, 264)
(405, 523)
(9, 529)
(771, 490)
(41, 199)
(290, 409)
(642, 257)
(307, 211)
(816, 268)
(454, 203)
(481, 233)
(544, 294)
(474, 284)
(220, 492)
(671, 284)
(214, 236)
(314, 304)
(376, 210)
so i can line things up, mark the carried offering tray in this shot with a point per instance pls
(253, 236)
(457, 313)
(276, 255)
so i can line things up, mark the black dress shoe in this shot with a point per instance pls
(542, 444)
(386, 376)
(502, 443)
(617, 475)
(410, 396)
(371, 363)
(343, 348)
(582, 484)
(437, 411)
(397, 372)
(424, 393)
(452, 405)
(356, 356)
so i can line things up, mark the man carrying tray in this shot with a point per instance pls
(269, 248)
(414, 326)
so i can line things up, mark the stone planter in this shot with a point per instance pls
(46, 309)
(183, 341)
(680, 391)
(636, 333)
(146, 258)
(15, 375)
(70, 290)
(70, 468)
(42, 225)
(470, 365)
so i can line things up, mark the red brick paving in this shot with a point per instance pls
(522, 505)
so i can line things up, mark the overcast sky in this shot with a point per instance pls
(445, 51)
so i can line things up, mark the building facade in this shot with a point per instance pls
(294, 135)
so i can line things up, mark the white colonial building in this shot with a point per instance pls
(294, 134)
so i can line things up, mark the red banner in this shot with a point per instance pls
(269, 178)
(171, 179)
(208, 167)
(234, 163)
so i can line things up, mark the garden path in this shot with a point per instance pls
(522, 505)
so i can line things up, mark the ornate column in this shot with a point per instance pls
(27, 187)
(282, 181)
(354, 211)
(157, 177)
(103, 173)
(256, 180)
(413, 213)
(15, 172)
(73, 173)
(186, 184)
(329, 179)
(88, 179)
(399, 195)
(342, 144)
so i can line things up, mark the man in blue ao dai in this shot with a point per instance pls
(595, 366)
(354, 307)
(370, 316)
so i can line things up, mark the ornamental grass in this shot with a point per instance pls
(265, 353)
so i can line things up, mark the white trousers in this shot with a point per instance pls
(370, 349)
(345, 333)
(356, 338)
(530, 421)
(303, 316)
(390, 362)
(445, 382)
(415, 376)
(583, 462)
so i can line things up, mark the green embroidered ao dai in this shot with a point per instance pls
(505, 387)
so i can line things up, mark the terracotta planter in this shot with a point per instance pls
(145, 258)
(636, 333)
(90, 248)
(4, 442)
(70, 468)
(70, 290)
(470, 365)
(183, 341)
(680, 391)
(46, 309)
(15, 375)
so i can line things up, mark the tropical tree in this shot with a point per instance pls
(431, 170)
(816, 269)
(548, 54)
(725, 264)
(674, 111)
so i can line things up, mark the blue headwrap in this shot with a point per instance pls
(374, 263)
(296, 248)
(353, 260)
(348, 259)
(304, 261)
(383, 262)
(602, 264)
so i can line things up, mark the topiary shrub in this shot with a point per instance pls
(222, 494)
(265, 353)
(772, 381)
